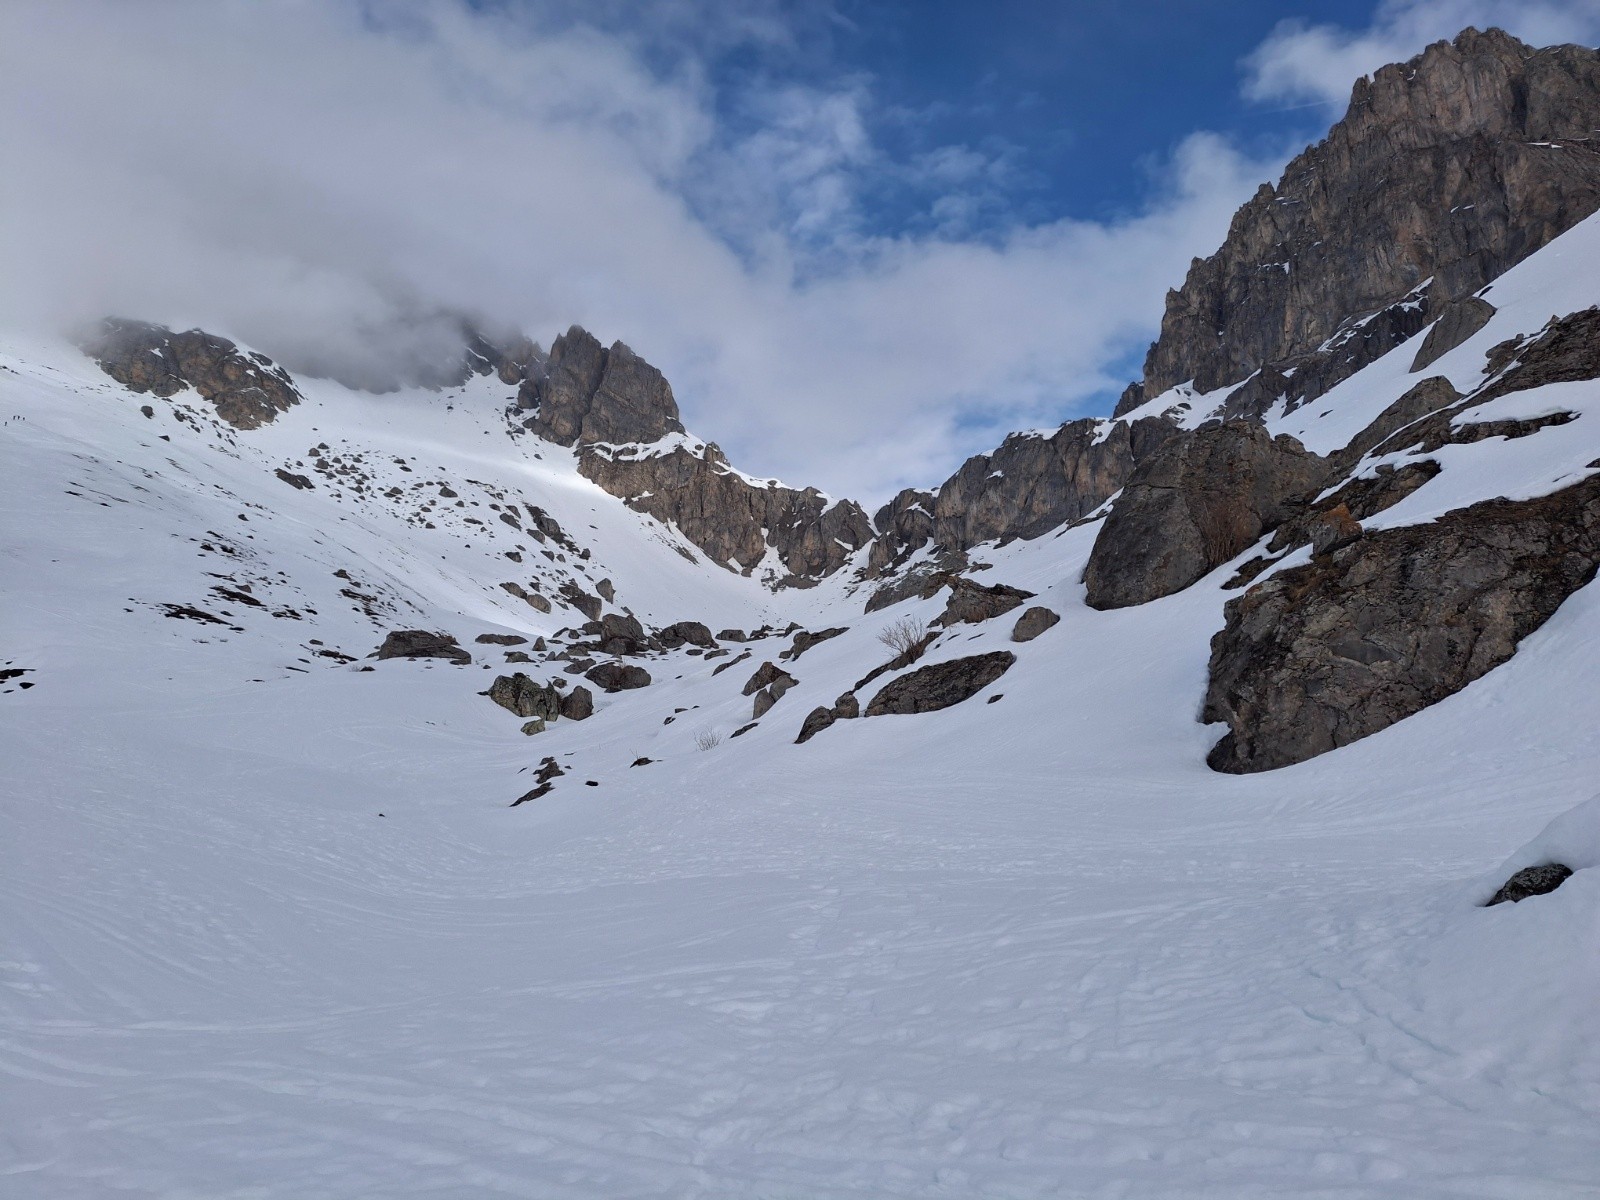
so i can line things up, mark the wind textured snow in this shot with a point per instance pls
(272, 928)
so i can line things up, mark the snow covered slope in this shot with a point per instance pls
(272, 930)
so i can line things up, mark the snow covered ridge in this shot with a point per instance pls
(286, 938)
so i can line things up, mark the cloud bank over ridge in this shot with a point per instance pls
(322, 182)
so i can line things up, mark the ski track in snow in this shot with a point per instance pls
(1023, 949)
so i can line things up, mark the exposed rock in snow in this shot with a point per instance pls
(419, 643)
(731, 517)
(1531, 881)
(940, 685)
(805, 639)
(1032, 483)
(1458, 321)
(1323, 654)
(591, 394)
(972, 602)
(1200, 500)
(1450, 168)
(523, 696)
(1034, 622)
(617, 677)
(247, 389)
(578, 704)
(766, 674)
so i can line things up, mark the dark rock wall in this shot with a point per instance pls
(1452, 166)
(1327, 653)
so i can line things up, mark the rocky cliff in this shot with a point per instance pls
(1445, 171)
(248, 390)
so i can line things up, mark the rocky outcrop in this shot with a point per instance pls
(1200, 500)
(1321, 655)
(766, 675)
(247, 389)
(734, 519)
(578, 704)
(904, 526)
(619, 634)
(941, 685)
(1033, 483)
(589, 394)
(521, 695)
(971, 602)
(617, 677)
(1032, 623)
(1566, 350)
(805, 639)
(419, 643)
(1458, 320)
(1445, 171)
(1422, 400)
(681, 633)
(845, 708)
(1531, 881)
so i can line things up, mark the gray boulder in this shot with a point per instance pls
(941, 685)
(419, 643)
(1032, 623)
(971, 602)
(524, 697)
(1460, 320)
(578, 704)
(1531, 881)
(617, 677)
(768, 673)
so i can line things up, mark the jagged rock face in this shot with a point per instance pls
(1566, 350)
(1030, 481)
(726, 515)
(904, 525)
(590, 394)
(1420, 401)
(1321, 655)
(1453, 166)
(1031, 484)
(1201, 499)
(248, 389)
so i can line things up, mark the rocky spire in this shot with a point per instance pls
(1445, 171)
(589, 394)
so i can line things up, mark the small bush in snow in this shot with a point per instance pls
(905, 636)
(707, 739)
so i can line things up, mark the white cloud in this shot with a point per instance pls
(312, 180)
(1302, 62)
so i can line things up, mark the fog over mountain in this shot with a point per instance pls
(336, 182)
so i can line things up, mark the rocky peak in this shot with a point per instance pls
(1445, 171)
(588, 394)
(247, 389)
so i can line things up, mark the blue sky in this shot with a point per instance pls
(1074, 100)
(864, 238)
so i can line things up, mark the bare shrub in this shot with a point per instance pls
(907, 637)
(707, 739)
